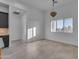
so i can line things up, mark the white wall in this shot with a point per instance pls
(13, 3)
(18, 24)
(4, 9)
(35, 19)
(15, 24)
(24, 27)
(69, 10)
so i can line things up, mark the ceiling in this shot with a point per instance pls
(44, 4)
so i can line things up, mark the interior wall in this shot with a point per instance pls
(24, 27)
(69, 10)
(19, 24)
(4, 7)
(15, 24)
(35, 19)
(13, 3)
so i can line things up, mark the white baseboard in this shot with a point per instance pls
(64, 42)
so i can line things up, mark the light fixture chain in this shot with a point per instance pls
(53, 2)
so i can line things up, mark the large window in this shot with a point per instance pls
(31, 33)
(53, 26)
(34, 31)
(62, 25)
(59, 27)
(68, 25)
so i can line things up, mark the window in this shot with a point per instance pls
(62, 25)
(31, 33)
(68, 25)
(53, 26)
(34, 31)
(59, 27)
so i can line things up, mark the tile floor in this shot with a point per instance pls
(43, 49)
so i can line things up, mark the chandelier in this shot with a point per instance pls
(53, 13)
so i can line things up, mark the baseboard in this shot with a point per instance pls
(34, 40)
(26, 41)
(62, 42)
(16, 40)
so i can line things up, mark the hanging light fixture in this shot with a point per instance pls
(53, 13)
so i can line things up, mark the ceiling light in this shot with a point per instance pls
(53, 13)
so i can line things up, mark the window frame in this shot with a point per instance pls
(34, 31)
(72, 24)
(63, 25)
(34, 34)
(52, 26)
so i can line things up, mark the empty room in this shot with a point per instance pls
(38, 29)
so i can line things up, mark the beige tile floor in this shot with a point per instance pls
(43, 49)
